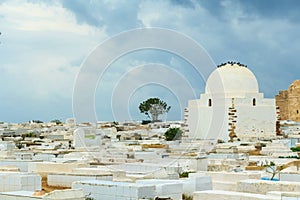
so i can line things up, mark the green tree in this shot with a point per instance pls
(271, 168)
(57, 121)
(30, 134)
(19, 145)
(36, 121)
(153, 107)
(173, 134)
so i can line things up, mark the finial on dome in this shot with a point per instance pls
(232, 63)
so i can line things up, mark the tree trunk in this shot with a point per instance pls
(154, 117)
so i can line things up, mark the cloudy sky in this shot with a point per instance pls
(45, 43)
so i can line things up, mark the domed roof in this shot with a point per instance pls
(231, 78)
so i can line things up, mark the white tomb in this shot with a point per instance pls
(66, 179)
(230, 195)
(233, 105)
(86, 137)
(165, 188)
(107, 190)
(16, 181)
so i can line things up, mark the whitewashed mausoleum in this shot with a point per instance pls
(231, 107)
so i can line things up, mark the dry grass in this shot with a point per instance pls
(47, 188)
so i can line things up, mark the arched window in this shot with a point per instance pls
(297, 111)
(209, 102)
(254, 102)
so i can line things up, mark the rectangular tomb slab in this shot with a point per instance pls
(106, 190)
(44, 168)
(196, 182)
(66, 179)
(54, 195)
(14, 181)
(228, 180)
(165, 188)
(229, 195)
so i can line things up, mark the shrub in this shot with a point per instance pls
(186, 197)
(184, 174)
(295, 149)
(173, 134)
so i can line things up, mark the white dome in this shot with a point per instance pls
(231, 78)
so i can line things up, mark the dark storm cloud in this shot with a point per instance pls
(114, 16)
(184, 3)
(85, 12)
(287, 9)
(273, 9)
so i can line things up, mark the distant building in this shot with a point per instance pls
(288, 102)
(231, 107)
(185, 121)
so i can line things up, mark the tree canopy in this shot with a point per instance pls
(57, 121)
(153, 107)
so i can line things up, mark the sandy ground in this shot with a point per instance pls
(48, 188)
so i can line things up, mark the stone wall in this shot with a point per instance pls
(262, 186)
(288, 102)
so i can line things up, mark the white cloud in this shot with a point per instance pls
(43, 47)
(28, 16)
